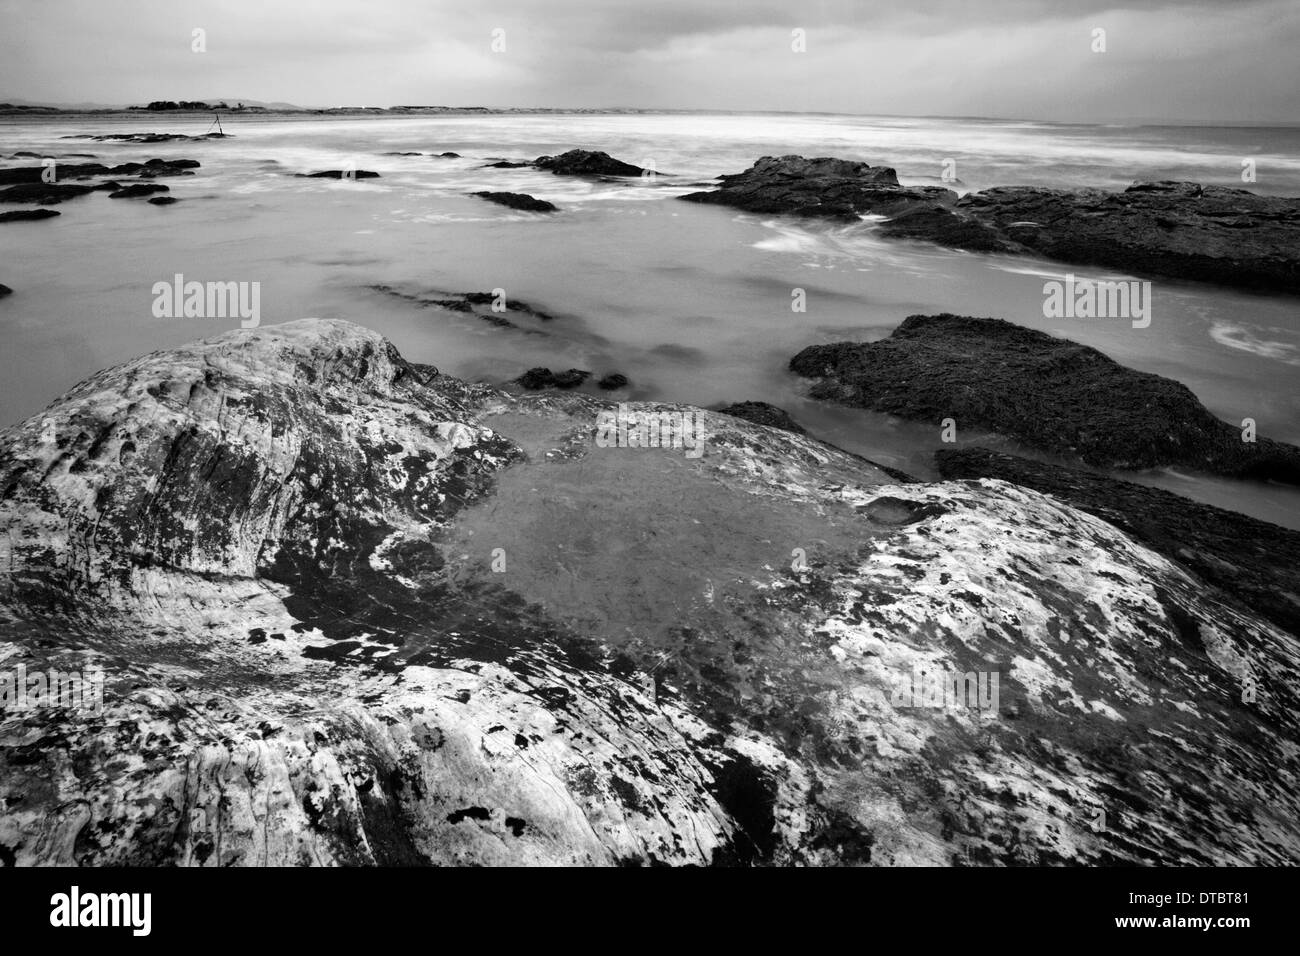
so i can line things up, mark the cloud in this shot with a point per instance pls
(1187, 60)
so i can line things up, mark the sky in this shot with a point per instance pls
(1179, 61)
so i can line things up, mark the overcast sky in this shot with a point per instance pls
(1233, 60)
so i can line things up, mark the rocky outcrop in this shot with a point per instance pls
(613, 381)
(350, 611)
(538, 378)
(162, 200)
(1177, 229)
(585, 162)
(5, 290)
(824, 188)
(517, 201)
(1250, 562)
(1050, 393)
(27, 215)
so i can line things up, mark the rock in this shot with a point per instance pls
(147, 137)
(761, 413)
(163, 200)
(1178, 229)
(138, 189)
(5, 290)
(485, 305)
(401, 154)
(63, 172)
(351, 612)
(339, 174)
(504, 164)
(43, 193)
(517, 201)
(28, 215)
(824, 188)
(449, 155)
(612, 381)
(1050, 393)
(157, 167)
(1250, 562)
(582, 162)
(538, 378)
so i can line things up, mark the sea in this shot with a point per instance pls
(692, 303)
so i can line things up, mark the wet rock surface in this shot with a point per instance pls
(520, 201)
(539, 378)
(352, 611)
(339, 174)
(1050, 393)
(1250, 562)
(1180, 230)
(488, 306)
(762, 413)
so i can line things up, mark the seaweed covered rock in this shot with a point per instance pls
(1048, 392)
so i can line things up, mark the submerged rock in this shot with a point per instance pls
(585, 162)
(163, 200)
(517, 201)
(147, 137)
(27, 215)
(1251, 562)
(350, 611)
(613, 381)
(1050, 393)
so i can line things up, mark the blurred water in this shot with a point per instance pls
(693, 303)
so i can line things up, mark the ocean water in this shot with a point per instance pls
(692, 303)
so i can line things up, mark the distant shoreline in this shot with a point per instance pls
(8, 111)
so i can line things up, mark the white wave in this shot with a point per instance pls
(1240, 337)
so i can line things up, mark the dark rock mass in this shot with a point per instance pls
(1050, 393)
(163, 200)
(539, 378)
(351, 611)
(584, 162)
(1176, 229)
(613, 381)
(517, 201)
(824, 188)
(1252, 563)
(27, 215)
(340, 174)
(43, 193)
(761, 413)
(138, 189)
(5, 290)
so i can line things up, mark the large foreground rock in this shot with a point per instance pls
(1050, 393)
(1247, 560)
(1176, 229)
(354, 611)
